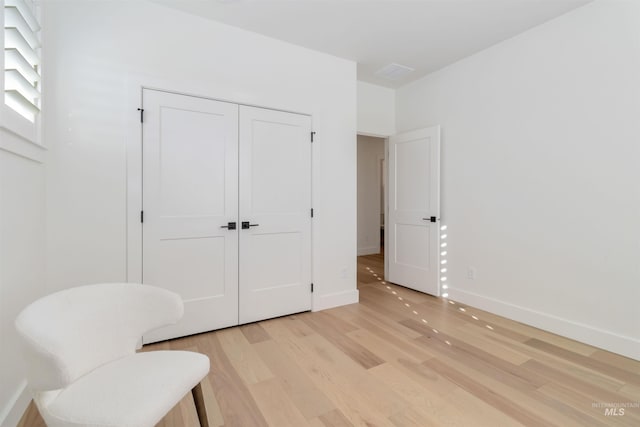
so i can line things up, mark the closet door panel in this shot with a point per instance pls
(190, 192)
(275, 199)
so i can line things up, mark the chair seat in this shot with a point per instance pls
(135, 391)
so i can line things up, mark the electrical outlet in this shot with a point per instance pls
(471, 273)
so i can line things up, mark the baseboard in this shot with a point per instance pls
(369, 251)
(16, 407)
(323, 302)
(620, 344)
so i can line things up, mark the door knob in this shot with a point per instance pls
(246, 225)
(230, 226)
(432, 219)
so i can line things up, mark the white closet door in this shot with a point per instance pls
(190, 192)
(275, 200)
(414, 209)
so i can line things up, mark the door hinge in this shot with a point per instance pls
(312, 288)
(312, 135)
(311, 212)
(141, 114)
(141, 216)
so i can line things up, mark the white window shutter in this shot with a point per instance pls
(21, 59)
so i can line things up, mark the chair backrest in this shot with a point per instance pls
(69, 333)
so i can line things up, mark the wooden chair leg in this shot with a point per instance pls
(198, 399)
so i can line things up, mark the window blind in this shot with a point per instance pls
(21, 59)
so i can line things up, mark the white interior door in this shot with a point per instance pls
(275, 200)
(190, 192)
(414, 198)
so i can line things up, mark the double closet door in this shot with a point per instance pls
(226, 205)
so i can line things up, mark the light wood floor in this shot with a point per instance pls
(401, 358)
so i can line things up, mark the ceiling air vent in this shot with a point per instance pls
(394, 71)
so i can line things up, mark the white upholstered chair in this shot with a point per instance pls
(82, 365)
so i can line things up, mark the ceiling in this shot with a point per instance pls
(425, 35)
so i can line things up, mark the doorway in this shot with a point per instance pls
(371, 197)
(398, 223)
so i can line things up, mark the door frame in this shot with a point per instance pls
(380, 177)
(386, 209)
(134, 179)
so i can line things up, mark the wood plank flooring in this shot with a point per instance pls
(402, 358)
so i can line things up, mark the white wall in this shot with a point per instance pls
(541, 175)
(98, 55)
(370, 151)
(376, 110)
(22, 234)
(22, 262)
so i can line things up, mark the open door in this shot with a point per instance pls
(414, 210)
